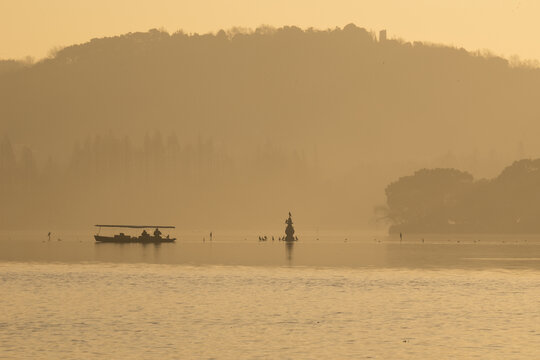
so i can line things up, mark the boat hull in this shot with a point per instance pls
(132, 239)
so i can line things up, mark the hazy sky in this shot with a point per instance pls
(507, 27)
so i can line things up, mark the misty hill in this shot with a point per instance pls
(360, 111)
(451, 201)
(339, 89)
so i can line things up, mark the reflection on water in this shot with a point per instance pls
(153, 311)
(128, 252)
(332, 250)
(289, 246)
(367, 297)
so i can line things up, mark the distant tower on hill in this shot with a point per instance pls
(382, 35)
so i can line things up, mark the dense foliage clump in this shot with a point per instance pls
(448, 200)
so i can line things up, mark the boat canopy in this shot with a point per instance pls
(136, 226)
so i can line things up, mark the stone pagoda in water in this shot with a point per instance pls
(289, 230)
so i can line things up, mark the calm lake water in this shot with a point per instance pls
(348, 295)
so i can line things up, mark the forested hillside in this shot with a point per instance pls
(356, 112)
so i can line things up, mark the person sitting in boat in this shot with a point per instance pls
(144, 234)
(157, 233)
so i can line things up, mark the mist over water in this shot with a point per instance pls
(229, 131)
(324, 249)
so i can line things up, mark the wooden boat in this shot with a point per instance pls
(145, 237)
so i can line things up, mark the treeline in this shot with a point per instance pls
(112, 178)
(9, 66)
(451, 201)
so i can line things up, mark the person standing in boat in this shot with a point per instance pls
(157, 233)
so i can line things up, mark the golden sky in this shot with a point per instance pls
(506, 27)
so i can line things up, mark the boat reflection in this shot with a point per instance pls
(130, 252)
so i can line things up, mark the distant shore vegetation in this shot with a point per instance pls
(451, 201)
(162, 179)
